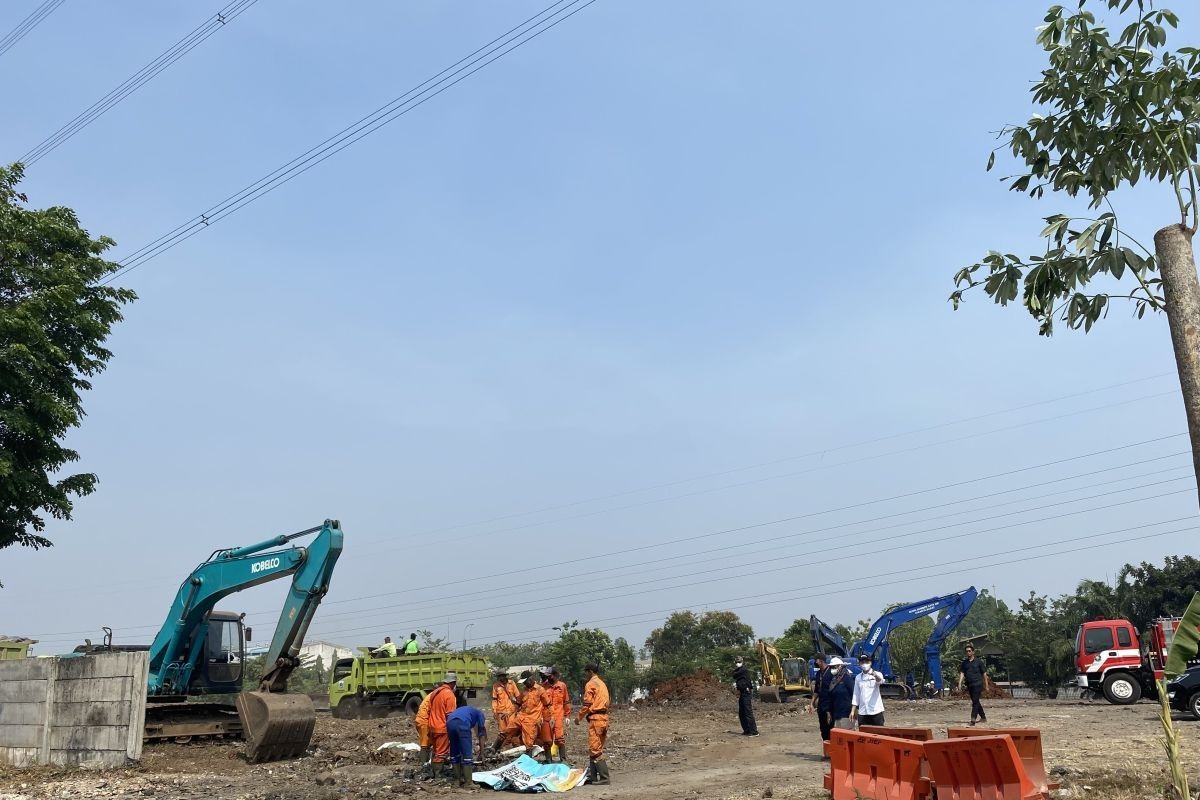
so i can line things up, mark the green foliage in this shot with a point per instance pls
(686, 643)
(796, 641)
(431, 643)
(577, 646)
(1117, 109)
(907, 645)
(1148, 591)
(987, 615)
(511, 654)
(1039, 642)
(54, 319)
(311, 678)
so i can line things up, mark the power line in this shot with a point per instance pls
(807, 471)
(28, 24)
(741, 548)
(139, 79)
(499, 47)
(872, 581)
(987, 478)
(821, 452)
(510, 608)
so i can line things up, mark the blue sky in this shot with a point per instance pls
(661, 241)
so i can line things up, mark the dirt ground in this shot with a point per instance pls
(683, 749)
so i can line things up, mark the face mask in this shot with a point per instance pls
(866, 666)
(836, 668)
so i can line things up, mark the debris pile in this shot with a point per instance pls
(699, 687)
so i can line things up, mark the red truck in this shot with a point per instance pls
(1111, 661)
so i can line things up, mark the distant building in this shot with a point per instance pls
(327, 652)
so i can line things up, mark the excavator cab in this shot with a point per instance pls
(225, 656)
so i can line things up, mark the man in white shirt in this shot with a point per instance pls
(867, 706)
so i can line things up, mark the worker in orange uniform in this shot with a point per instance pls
(595, 710)
(560, 710)
(504, 708)
(441, 705)
(424, 738)
(531, 708)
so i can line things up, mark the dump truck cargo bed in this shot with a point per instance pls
(364, 686)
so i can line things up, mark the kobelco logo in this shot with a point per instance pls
(259, 566)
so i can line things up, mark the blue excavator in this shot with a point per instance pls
(200, 651)
(953, 610)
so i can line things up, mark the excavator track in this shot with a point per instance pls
(173, 721)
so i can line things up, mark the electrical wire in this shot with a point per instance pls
(517, 608)
(28, 24)
(535, 26)
(139, 79)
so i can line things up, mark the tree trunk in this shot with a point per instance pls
(1181, 289)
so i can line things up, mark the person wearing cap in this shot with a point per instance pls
(560, 711)
(504, 709)
(867, 706)
(839, 697)
(820, 698)
(594, 708)
(441, 705)
(459, 725)
(745, 690)
(531, 709)
(411, 648)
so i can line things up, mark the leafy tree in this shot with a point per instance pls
(54, 318)
(1039, 642)
(686, 643)
(1149, 591)
(855, 633)
(577, 646)
(505, 654)
(988, 614)
(1114, 108)
(308, 678)
(907, 646)
(796, 641)
(433, 644)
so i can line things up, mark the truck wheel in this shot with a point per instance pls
(1194, 705)
(1122, 689)
(412, 705)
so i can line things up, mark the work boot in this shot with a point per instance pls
(602, 773)
(562, 753)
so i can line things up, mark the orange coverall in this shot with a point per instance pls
(422, 722)
(560, 709)
(441, 706)
(531, 713)
(595, 709)
(504, 707)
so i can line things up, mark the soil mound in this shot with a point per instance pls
(699, 687)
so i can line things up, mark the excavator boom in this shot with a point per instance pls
(276, 724)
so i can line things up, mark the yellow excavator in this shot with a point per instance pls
(781, 677)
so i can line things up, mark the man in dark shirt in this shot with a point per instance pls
(745, 690)
(972, 673)
(820, 697)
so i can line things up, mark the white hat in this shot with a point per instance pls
(451, 677)
(836, 662)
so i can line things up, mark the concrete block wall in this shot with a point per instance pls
(88, 710)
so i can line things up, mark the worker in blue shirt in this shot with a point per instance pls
(839, 697)
(459, 724)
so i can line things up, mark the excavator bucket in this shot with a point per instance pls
(769, 694)
(276, 725)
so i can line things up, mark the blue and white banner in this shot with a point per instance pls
(527, 775)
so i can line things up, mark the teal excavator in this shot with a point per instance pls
(200, 651)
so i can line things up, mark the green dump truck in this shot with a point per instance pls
(12, 647)
(365, 686)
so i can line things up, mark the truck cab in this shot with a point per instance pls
(1113, 662)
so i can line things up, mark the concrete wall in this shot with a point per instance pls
(88, 710)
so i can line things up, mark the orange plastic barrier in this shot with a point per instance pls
(865, 765)
(896, 732)
(979, 768)
(1029, 748)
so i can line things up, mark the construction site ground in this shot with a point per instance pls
(687, 748)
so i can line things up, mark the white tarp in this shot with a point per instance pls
(527, 775)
